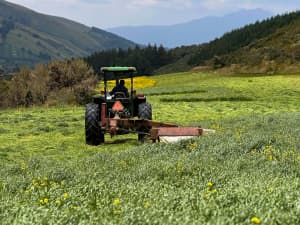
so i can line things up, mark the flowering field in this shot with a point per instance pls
(247, 173)
(138, 83)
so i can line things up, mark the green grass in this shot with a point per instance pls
(213, 97)
(49, 176)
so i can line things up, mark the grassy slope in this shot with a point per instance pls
(56, 37)
(270, 46)
(280, 51)
(44, 157)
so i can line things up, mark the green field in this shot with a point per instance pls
(246, 173)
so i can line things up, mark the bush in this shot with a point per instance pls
(3, 93)
(68, 73)
(83, 92)
(65, 82)
(28, 87)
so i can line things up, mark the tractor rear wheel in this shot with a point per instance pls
(93, 134)
(144, 112)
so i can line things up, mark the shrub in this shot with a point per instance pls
(63, 82)
(3, 93)
(19, 87)
(68, 73)
(28, 87)
(75, 75)
(84, 91)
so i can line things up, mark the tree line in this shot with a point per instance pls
(145, 59)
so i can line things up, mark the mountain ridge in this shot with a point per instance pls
(28, 37)
(270, 46)
(192, 32)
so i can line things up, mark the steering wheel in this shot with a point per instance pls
(120, 95)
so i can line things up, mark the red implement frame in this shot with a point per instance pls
(114, 125)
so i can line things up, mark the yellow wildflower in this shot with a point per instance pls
(210, 185)
(215, 191)
(44, 201)
(147, 204)
(298, 157)
(271, 158)
(66, 195)
(116, 202)
(58, 202)
(255, 220)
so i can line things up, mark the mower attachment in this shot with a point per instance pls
(174, 134)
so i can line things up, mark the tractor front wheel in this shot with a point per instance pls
(93, 134)
(145, 113)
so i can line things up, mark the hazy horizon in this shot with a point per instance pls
(113, 13)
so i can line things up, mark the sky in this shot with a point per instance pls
(112, 13)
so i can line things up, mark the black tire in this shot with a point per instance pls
(144, 112)
(93, 134)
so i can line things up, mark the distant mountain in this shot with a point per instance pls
(193, 32)
(28, 37)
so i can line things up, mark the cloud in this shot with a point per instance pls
(160, 3)
(274, 5)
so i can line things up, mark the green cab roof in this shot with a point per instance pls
(118, 69)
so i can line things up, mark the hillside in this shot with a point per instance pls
(268, 46)
(28, 37)
(192, 32)
(278, 52)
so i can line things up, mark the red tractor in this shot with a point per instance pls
(118, 105)
(114, 112)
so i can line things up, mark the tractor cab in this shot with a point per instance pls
(121, 100)
(116, 103)
(118, 74)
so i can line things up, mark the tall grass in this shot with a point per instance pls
(248, 171)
